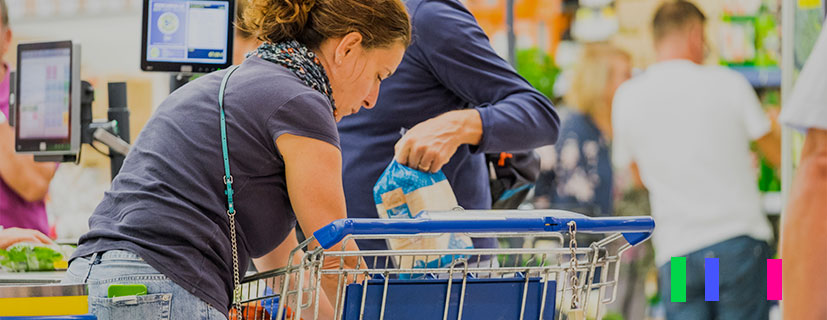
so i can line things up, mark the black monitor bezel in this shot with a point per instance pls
(70, 144)
(181, 66)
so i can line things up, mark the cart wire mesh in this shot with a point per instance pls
(558, 280)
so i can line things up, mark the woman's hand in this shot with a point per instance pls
(278, 258)
(11, 236)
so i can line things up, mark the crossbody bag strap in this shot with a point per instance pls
(228, 182)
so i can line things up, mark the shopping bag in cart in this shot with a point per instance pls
(265, 309)
(402, 193)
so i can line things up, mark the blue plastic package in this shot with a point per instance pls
(403, 193)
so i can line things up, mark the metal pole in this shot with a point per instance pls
(788, 8)
(512, 38)
(118, 111)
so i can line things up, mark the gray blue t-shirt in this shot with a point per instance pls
(168, 204)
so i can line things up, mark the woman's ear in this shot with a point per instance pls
(350, 43)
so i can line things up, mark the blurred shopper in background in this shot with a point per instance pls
(581, 178)
(451, 100)
(244, 41)
(688, 128)
(804, 232)
(577, 171)
(24, 183)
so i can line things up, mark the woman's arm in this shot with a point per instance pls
(313, 170)
(803, 236)
(29, 179)
(278, 259)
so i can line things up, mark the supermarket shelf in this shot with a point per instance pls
(761, 77)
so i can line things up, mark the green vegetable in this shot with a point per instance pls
(32, 257)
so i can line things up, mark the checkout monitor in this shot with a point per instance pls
(47, 99)
(190, 36)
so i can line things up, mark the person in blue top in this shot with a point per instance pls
(451, 100)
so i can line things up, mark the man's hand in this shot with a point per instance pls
(430, 145)
(770, 144)
(11, 236)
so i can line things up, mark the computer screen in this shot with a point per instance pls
(187, 35)
(47, 98)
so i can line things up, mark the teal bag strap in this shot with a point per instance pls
(228, 178)
(228, 181)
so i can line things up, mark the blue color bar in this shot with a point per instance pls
(711, 283)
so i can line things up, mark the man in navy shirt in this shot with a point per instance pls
(454, 99)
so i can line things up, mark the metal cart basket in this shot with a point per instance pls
(563, 281)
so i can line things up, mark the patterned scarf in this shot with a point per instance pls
(301, 61)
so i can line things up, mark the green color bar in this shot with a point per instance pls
(678, 278)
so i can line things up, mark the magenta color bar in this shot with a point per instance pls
(773, 279)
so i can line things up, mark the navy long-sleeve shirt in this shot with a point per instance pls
(450, 65)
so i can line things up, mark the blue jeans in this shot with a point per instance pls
(742, 267)
(164, 298)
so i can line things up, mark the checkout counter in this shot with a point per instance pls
(53, 302)
(30, 278)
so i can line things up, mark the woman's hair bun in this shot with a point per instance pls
(381, 22)
(277, 20)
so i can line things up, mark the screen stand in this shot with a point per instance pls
(178, 80)
(59, 158)
(113, 133)
(116, 137)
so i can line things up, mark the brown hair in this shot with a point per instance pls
(675, 16)
(380, 22)
(590, 77)
(241, 6)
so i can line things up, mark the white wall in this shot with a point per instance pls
(111, 44)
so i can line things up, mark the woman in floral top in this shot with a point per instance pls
(577, 171)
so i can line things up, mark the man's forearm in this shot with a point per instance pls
(469, 125)
(29, 179)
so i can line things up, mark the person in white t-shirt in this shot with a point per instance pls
(687, 129)
(804, 232)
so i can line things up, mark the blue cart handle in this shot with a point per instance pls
(634, 229)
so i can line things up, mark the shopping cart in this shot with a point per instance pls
(500, 283)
